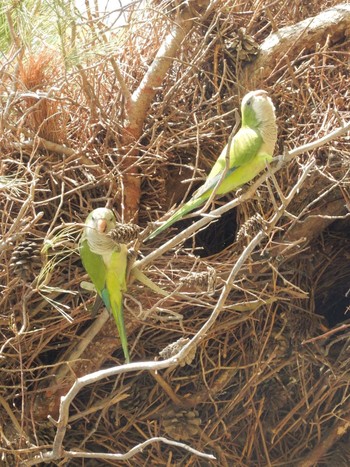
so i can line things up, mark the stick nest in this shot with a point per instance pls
(270, 380)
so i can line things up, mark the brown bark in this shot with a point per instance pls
(288, 42)
(98, 349)
(139, 102)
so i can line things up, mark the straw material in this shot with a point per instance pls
(268, 383)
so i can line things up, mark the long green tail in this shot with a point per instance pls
(119, 319)
(116, 307)
(179, 214)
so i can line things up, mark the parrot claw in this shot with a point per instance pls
(281, 159)
(278, 159)
(132, 254)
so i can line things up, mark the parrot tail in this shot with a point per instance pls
(116, 306)
(179, 214)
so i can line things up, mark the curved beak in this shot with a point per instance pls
(101, 225)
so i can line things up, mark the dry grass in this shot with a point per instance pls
(264, 388)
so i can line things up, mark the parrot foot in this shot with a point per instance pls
(282, 159)
(132, 254)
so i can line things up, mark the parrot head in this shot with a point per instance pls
(257, 108)
(97, 225)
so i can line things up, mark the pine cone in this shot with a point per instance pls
(182, 424)
(204, 280)
(251, 227)
(175, 347)
(26, 259)
(275, 395)
(138, 396)
(243, 45)
(124, 233)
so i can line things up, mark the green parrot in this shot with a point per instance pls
(106, 264)
(250, 149)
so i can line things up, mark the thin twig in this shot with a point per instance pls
(120, 457)
(216, 213)
(66, 400)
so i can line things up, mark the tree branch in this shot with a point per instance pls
(142, 98)
(137, 107)
(216, 213)
(291, 40)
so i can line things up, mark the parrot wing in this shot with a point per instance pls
(94, 266)
(110, 284)
(244, 147)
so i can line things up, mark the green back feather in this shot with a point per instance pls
(244, 147)
(245, 161)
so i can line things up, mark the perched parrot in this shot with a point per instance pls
(250, 149)
(106, 264)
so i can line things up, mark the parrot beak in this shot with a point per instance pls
(101, 225)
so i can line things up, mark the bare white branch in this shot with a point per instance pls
(216, 213)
